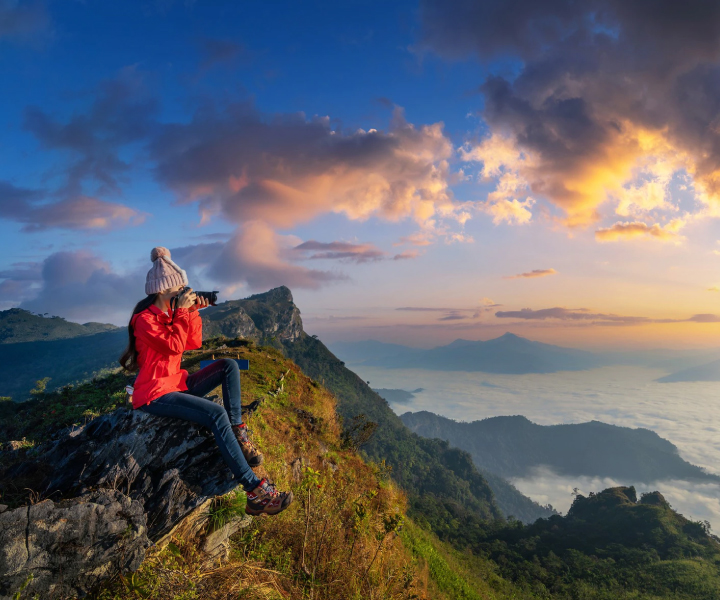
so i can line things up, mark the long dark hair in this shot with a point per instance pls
(128, 360)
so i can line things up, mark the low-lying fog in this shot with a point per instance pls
(687, 414)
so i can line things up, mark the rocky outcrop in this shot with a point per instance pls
(267, 317)
(111, 488)
(71, 545)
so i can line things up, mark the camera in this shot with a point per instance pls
(211, 297)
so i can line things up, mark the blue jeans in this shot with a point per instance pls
(191, 406)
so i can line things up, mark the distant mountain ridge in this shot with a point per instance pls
(508, 354)
(706, 372)
(512, 354)
(514, 446)
(272, 318)
(18, 325)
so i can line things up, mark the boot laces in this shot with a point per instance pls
(270, 489)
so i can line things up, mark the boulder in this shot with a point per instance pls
(71, 545)
(127, 474)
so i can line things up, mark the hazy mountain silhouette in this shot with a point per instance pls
(18, 325)
(514, 447)
(508, 353)
(706, 372)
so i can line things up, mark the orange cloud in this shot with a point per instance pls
(637, 229)
(534, 273)
(288, 170)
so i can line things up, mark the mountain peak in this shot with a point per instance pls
(278, 294)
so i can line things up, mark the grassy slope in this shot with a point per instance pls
(608, 548)
(439, 479)
(351, 504)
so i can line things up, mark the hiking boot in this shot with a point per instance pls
(252, 455)
(266, 500)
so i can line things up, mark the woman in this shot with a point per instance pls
(158, 336)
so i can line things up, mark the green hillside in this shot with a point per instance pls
(610, 545)
(63, 361)
(18, 325)
(515, 446)
(346, 536)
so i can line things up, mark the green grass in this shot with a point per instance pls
(224, 509)
(456, 575)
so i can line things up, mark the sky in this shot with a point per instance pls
(415, 172)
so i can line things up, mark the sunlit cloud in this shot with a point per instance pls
(81, 212)
(256, 257)
(345, 251)
(638, 229)
(611, 103)
(584, 314)
(532, 274)
(406, 255)
(287, 169)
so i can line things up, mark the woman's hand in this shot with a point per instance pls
(200, 302)
(187, 300)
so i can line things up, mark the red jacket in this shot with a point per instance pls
(160, 348)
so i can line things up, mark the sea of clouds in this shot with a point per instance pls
(687, 414)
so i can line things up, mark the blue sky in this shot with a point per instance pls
(467, 159)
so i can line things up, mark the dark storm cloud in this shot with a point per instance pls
(594, 78)
(79, 212)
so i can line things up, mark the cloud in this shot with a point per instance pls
(488, 303)
(82, 287)
(636, 229)
(583, 314)
(533, 273)
(420, 238)
(286, 169)
(406, 255)
(359, 253)
(121, 113)
(217, 51)
(455, 316)
(20, 282)
(705, 318)
(255, 256)
(80, 212)
(430, 309)
(22, 21)
(611, 101)
(699, 501)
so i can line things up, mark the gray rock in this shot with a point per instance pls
(71, 545)
(260, 318)
(166, 469)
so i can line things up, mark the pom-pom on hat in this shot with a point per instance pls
(164, 273)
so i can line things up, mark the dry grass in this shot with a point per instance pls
(338, 540)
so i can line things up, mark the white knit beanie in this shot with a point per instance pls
(164, 273)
